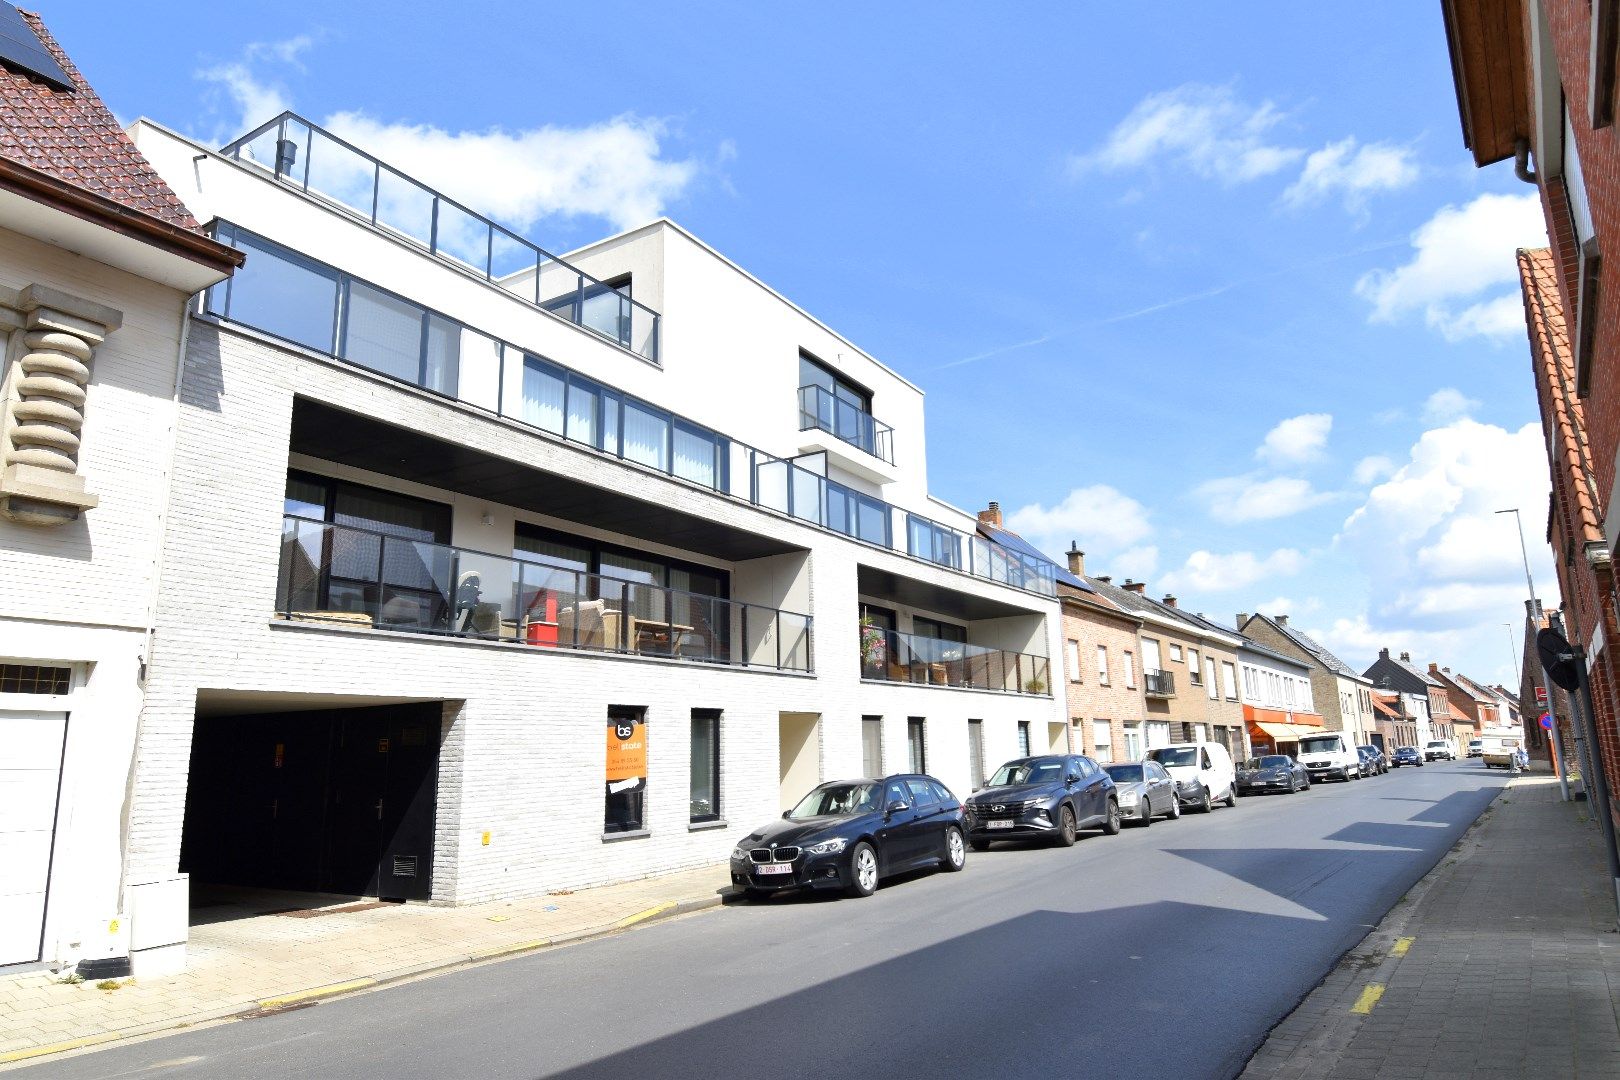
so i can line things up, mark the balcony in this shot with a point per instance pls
(304, 156)
(822, 411)
(890, 656)
(1156, 683)
(346, 576)
(317, 307)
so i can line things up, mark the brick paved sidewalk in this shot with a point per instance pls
(1503, 962)
(245, 955)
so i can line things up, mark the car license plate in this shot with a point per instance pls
(998, 824)
(774, 868)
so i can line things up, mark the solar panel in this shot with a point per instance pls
(21, 48)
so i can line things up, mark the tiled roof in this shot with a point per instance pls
(1315, 648)
(74, 138)
(1251, 645)
(1382, 706)
(1125, 598)
(1562, 414)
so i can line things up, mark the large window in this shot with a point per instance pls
(626, 806)
(832, 403)
(1072, 655)
(941, 631)
(933, 542)
(1133, 741)
(1130, 670)
(1194, 670)
(1102, 740)
(872, 746)
(705, 805)
(1209, 679)
(917, 743)
(854, 514)
(280, 293)
(1229, 680)
(1102, 665)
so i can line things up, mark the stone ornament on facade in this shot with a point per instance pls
(52, 337)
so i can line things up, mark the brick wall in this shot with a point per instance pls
(1087, 697)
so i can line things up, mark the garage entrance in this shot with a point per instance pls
(333, 800)
(30, 781)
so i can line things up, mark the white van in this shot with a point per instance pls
(1202, 771)
(1329, 755)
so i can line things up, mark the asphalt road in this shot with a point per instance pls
(1169, 951)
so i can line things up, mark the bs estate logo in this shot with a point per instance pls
(624, 729)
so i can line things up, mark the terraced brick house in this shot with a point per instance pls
(1424, 699)
(1342, 695)
(1101, 669)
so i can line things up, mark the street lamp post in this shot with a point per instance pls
(1543, 682)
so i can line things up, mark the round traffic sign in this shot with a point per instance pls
(1546, 721)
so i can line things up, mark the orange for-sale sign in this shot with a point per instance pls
(626, 749)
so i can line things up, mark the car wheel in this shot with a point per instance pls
(955, 851)
(1293, 785)
(1068, 831)
(863, 870)
(1147, 812)
(1111, 819)
(1175, 806)
(980, 845)
(1207, 804)
(1231, 797)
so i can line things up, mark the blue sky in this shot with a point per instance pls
(1224, 300)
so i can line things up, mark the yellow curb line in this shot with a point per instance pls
(642, 916)
(1369, 997)
(507, 950)
(318, 992)
(1401, 945)
(58, 1048)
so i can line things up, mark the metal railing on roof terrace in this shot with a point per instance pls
(304, 156)
(821, 409)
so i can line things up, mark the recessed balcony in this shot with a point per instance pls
(345, 576)
(891, 656)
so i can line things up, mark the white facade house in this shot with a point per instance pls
(98, 261)
(524, 573)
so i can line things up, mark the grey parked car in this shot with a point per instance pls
(1145, 792)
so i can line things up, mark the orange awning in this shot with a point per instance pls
(1280, 732)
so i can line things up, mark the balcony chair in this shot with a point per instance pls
(473, 617)
(597, 627)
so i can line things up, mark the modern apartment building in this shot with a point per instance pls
(98, 260)
(490, 572)
(1102, 670)
(1342, 694)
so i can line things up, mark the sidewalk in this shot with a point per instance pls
(253, 950)
(1503, 962)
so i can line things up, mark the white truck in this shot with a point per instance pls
(1329, 755)
(1499, 750)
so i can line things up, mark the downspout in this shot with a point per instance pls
(1521, 161)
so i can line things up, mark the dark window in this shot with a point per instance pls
(922, 793)
(34, 679)
(916, 743)
(705, 764)
(872, 745)
(933, 542)
(813, 372)
(626, 806)
(854, 514)
(943, 793)
(944, 631)
(278, 292)
(897, 793)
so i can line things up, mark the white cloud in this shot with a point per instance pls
(1140, 563)
(1372, 468)
(1205, 129)
(1458, 254)
(1102, 519)
(1297, 439)
(1236, 499)
(615, 169)
(1283, 605)
(1352, 172)
(1447, 404)
(1429, 539)
(1207, 571)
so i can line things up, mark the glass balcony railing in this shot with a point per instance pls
(350, 576)
(329, 311)
(304, 156)
(890, 656)
(821, 409)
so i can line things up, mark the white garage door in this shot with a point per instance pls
(30, 774)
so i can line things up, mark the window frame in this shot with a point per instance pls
(713, 717)
(1071, 652)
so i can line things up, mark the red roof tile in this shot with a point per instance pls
(74, 138)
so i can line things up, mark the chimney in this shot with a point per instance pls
(1280, 620)
(1242, 617)
(991, 516)
(1383, 654)
(1106, 579)
(1137, 587)
(1169, 600)
(1434, 668)
(1406, 658)
(1077, 559)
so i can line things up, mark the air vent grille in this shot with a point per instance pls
(404, 865)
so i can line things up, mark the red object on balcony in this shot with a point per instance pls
(543, 631)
